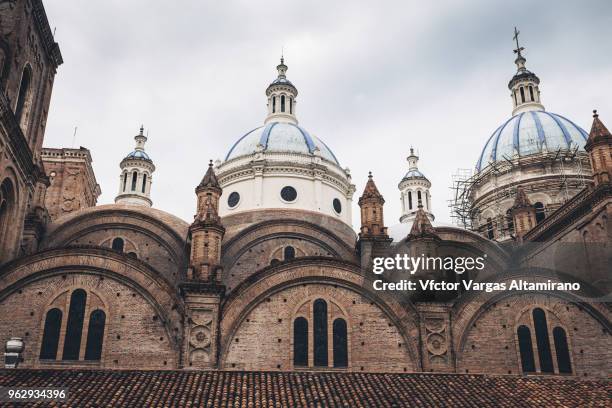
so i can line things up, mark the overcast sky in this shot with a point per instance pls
(374, 78)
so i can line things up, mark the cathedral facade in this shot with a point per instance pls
(270, 274)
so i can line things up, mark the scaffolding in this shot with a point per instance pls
(461, 208)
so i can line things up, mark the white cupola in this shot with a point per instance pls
(414, 189)
(281, 95)
(524, 85)
(136, 175)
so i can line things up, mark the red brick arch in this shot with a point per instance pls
(274, 279)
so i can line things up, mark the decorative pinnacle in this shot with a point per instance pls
(595, 115)
(141, 130)
(369, 174)
(210, 163)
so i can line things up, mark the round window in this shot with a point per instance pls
(337, 205)
(288, 194)
(233, 199)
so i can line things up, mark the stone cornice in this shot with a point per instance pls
(46, 35)
(577, 207)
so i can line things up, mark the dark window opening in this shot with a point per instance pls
(419, 199)
(320, 333)
(563, 358)
(274, 104)
(144, 182)
(124, 181)
(274, 262)
(522, 95)
(526, 349)
(300, 342)
(233, 199)
(74, 327)
(539, 212)
(490, 233)
(515, 100)
(542, 340)
(337, 205)
(531, 93)
(283, 103)
(118, 244)
(95, 335)
(410, 200)
(288, 194)
(340, 343)
(289, 253)
(291, 106)
(134, 177)
(24, 90)
(51, 334)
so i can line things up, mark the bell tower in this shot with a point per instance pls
(136, 175)
(524, 85)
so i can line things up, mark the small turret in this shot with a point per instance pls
(136, 175)
(414, 189)
(206, 230)
(599, 146)
(524, 85)
(372, 219)
(523, 213)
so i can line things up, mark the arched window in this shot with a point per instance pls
(95, 335)
(522, 95)
(340, 343)
(124, 181)
(515, 100)
(410, 200)
(24, 93)
(289, 253)
(274, 104)
(7, 202)
(320, 333)
(51, 334)
(563, 358)
(144, 182)
(539, 212)
(531, 92)
(526, 349)
(118, 244)
(490, 233)
(282, 103)
(419, 200)
(300, 342)
(134, 177)
(74, 326)
(291, 106)
(427, 200)
(510, 221)
(542, 340)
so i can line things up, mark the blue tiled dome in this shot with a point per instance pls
(529, 133)
(280, 137)
(138, 154)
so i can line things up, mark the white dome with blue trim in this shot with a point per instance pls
(280, 137)
(530, 133)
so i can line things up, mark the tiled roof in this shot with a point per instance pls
(107, 388)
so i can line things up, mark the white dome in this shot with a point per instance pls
(280, 137)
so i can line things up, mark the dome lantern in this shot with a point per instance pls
(136, 175)
(414, 189)
(524, 85)
(281, 95)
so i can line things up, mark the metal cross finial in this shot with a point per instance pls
(518, 47)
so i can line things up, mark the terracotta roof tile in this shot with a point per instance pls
(308, 389)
